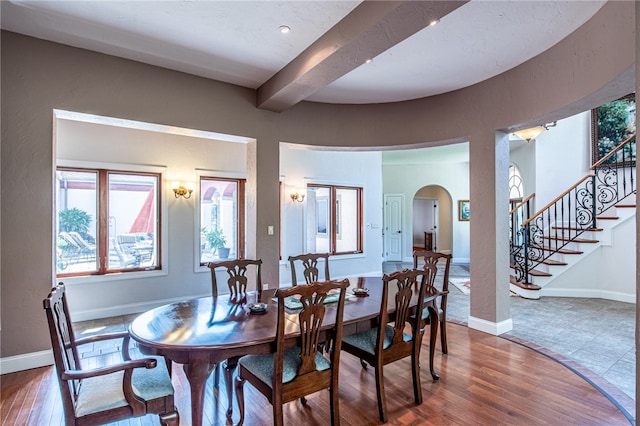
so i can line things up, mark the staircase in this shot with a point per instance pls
(567, 227)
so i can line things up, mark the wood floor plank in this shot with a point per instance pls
(484, 380)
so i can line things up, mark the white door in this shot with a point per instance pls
(393, 227)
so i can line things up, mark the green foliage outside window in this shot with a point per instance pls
(615, 122)
(74, 220)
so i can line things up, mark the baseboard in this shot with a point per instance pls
(490, 327)
(28, 361)
(589, 294)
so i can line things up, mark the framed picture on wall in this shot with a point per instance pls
(463, 210)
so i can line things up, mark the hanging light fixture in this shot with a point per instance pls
(533, 132)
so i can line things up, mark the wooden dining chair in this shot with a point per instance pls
(295, 371)
(429, 257)
(310, 268)
(387, 342)
(240, 273)
(110, 393)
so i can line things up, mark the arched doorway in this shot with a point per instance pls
(433, 215)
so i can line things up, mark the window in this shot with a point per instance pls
(221, 219)
(334, 219)
(107, 221)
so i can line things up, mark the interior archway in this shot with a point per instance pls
(433, 213)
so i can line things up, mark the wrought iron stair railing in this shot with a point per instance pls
(535, 238)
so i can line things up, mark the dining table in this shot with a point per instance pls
(203, 332)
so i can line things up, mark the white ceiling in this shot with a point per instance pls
(238, 41)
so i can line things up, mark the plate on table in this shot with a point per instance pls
(361, 292)
(257, 308)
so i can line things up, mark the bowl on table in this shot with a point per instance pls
(360, 291)
(257, 308)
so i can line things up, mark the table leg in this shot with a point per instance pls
(433, 334)
(197, 372)
(229, 367)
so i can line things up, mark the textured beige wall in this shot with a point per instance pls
(593, 65)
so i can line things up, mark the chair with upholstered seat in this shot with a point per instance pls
(429, 257)
(387, 342)
(131, 388)
(241, 273)
(297, 370)
(310, 267)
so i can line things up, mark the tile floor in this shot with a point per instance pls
(594, 337)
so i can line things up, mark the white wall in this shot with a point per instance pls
(298, 167)
(565, 148)
(407, 179)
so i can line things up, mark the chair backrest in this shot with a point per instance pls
(310, 268)
(406, 288)
(238, 279)
(63, 341)
(310, 319)
(432, 258)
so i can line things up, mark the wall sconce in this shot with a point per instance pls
(533, 132)
(297, 196)
(181, 190)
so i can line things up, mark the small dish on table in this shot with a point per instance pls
(360, 292)
(257, 308)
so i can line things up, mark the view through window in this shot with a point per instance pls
(334, 219)
(107, 221)
(221, 219)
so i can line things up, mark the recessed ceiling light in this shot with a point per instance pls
(432, 23)
(368, 60)
(284, 29)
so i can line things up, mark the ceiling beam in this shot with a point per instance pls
(370, 29)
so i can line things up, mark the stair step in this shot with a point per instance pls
(539, 273)
(608, 217)
(561, 251)
(625, 206)
(554, 262)
(570, 228)
(513, 281)
(574, 240)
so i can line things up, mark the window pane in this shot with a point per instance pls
(347, 214)
(132, 221)
(77, 221)
(218, 219)
(318, 219)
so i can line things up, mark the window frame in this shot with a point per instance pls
(102, 219)
(240, 220)
(333, 234)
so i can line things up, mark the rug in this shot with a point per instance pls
(462, 284)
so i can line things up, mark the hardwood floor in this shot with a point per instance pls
(485, 380)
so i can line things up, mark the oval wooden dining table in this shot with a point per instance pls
(200, 333)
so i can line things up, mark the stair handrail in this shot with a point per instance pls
(522, 203)
(555, 200)
(613, 151)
